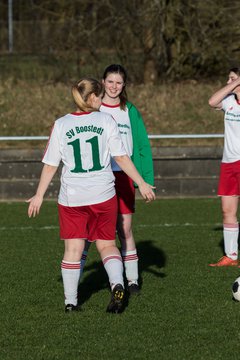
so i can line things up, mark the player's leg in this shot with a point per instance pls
(228, 189)
(113, 265)
(129, 251)
(74, 241)
(230, 226)
(84, 256)
(70, 268)
(126, 207)
(112, 261)
(104, 231)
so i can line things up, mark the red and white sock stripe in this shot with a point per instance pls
(111, 257)
(70, 265)
(130, 255)
(231, 227)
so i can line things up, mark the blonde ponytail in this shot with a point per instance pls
(82, 91)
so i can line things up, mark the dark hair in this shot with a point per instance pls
(118, 69)
(236, 70)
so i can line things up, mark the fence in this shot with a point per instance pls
(179, 171)
(163, 136)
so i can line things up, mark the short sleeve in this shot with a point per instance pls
(227, 101)
(52, 155)
(114, 141)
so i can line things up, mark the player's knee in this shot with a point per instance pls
(229, 217)
(73, 254)
(125, 233)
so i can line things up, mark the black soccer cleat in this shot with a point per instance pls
(117, 299)
(71, 308)
(134, 289)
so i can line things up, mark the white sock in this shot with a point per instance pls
(130, 260)
(114, 268)
(230, 235)
(70, 275)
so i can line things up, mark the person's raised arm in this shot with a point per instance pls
(128, 167)
(35, 202)
(216, 99)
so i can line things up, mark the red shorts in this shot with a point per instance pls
(90, 222)
(229, 180)
(125, 193)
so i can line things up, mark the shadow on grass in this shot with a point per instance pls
(221, 245)
(221, 241)
(95, 279)
(218, 228)
(151, 260)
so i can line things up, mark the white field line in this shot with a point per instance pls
(53, 227)
(178, 225)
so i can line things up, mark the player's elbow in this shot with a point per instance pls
(120, 159)
(211, 102)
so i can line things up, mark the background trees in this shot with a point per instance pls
(155, 39)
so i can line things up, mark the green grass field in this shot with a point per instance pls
(185, 310)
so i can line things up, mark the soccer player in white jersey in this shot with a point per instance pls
(228, 100)
(136, 143)
(84, 141)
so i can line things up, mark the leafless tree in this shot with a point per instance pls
(154, 39)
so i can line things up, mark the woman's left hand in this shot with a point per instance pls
(34, 205)
(147, 192)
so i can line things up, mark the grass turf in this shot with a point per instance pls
(185, 310)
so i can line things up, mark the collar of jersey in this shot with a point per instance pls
(81, 113)
(111, 106)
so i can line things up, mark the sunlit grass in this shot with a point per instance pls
(185, 310)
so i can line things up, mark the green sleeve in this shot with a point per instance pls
(142, 154)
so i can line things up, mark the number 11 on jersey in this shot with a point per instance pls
(78, 159)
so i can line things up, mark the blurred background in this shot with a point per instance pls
(156, 40)
(176, 52)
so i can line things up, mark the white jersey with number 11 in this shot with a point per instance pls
(84, 142)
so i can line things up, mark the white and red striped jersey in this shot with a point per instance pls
(84, 142)
(124, 125)
(231, 151)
